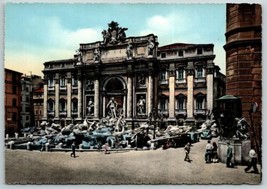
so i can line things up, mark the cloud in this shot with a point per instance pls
(168, 28)
(48, 40)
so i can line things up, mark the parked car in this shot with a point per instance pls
(206, 134)
(193, 136)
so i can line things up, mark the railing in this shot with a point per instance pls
(200, 111)
(51, 113)
(180, 112)
(180, 81)
(163, 82)
(51, 88)
(63, 113)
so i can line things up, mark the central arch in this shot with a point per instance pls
(114, 87)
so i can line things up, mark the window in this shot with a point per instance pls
(50, 82)
(74, 81)
(14, 89)
(181, 53)
(200, 101)
(199, 72)
(199, 51)
(163, 55)
(180, 74)
(74, 105)
(163, 104)
(62, 105)
(163, 77)
(180, 102)
(14, 102)
(199, 104)
(62, 82)
(50, 105)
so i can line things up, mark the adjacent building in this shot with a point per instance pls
(29, 83)
(244, 63)
(38, 100)
(174, 84)
(12, 101)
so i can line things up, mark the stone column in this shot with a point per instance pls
(129, 96)
(190, 91)
(69, 98)
(45, 101)
(150, 93)
(210, 91)
(171, 94)
(57, 98)
(80, 98)
(96, 98)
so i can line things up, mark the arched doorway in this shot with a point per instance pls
(114, 93)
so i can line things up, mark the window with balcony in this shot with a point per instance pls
(200, 104)
(50, 105)
(62, 105)
(163, 105)
(74, 105)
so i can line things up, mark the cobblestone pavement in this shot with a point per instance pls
(122, 167)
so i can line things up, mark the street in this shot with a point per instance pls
(122, 167)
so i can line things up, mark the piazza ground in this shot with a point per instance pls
(127, 167)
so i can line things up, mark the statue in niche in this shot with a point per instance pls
(129, 52)
(151, 46)
(90, 107)
(112, 106)
(141, 80)
(141, 106)
(96, 55)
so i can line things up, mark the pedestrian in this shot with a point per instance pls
(187, 151)
(229, 155)
(106, 148)
(208, 154)
(73, 148)
(252, 161)
(215, 157)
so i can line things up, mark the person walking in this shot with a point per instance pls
(229, 155)
(73, 148)
(187, 151)
(252, 161)
(208, 154)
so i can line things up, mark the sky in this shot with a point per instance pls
(39, 32)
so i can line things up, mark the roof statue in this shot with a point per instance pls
(114, 34)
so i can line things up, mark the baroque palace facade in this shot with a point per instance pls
(133, 77)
